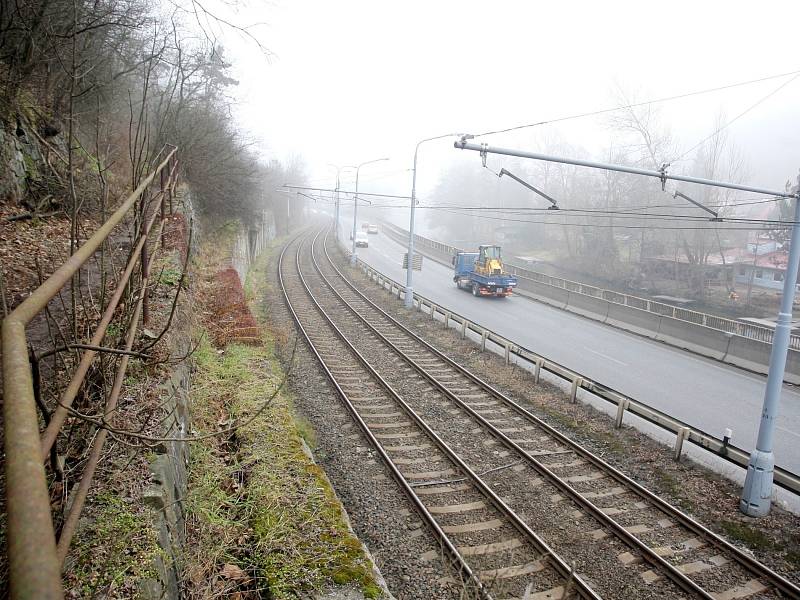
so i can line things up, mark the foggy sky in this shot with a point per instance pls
(355, 80)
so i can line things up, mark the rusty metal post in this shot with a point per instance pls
(173, 165)
(145, 266)
(162, 207)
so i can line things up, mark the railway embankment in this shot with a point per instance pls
(499, 500)
(262, 518)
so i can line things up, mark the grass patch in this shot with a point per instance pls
(115, 551)
(257, 502)
(747, 535)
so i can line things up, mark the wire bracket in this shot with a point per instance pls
(663, 171)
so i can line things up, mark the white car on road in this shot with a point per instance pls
(362, 241)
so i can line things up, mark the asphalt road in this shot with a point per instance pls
(702, 392)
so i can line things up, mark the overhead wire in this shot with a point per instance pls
(708, 227)
(736, 118)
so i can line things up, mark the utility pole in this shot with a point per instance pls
(756, 497)
(336, 190)
(353, 255)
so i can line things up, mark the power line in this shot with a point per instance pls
(637, 104)
(709, 227)
(736, 118)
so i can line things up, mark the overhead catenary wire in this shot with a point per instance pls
(555, 220)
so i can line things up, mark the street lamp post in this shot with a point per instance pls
(409, 300)
(354, 256)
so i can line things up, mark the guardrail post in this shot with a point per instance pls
(508, 353)
(433, 310)
(621, 408)
(446, 319)
(464, 327)
(483, 340)
(683, 434)
(573, 395)
(537, 372)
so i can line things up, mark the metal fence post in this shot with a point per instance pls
(683, 433)
(573, 395)
(621, 408)
(145, 265)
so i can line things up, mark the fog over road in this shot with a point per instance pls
(702, 392)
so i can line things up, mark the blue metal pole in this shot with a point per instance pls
(756, 499)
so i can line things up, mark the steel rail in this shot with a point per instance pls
(657, 561)
(454, 555)
(34, 568)
(748, 562)
(560, 565)
(726, 451)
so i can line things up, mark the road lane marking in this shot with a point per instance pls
(606, 356)
(795, 434)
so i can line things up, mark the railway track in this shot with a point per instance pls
(625, 541)
(494, 554)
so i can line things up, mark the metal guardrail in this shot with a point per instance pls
(748, 330)
(683, 431)
(35, 557)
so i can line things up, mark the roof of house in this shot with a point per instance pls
(733, 256)
(772, 260)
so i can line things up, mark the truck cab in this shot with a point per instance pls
(463, 264)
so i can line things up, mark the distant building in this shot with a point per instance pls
(767, 270)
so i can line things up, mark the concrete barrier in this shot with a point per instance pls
(703, 340)
(548, 294)
(588, 306)
(633, 320)
(754, 355)
(792, 373)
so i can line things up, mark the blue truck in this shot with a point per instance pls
(482, 272)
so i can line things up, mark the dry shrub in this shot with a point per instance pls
(228, 318)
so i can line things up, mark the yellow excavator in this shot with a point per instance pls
(489, 261)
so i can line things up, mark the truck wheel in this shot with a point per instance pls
(474, 290)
